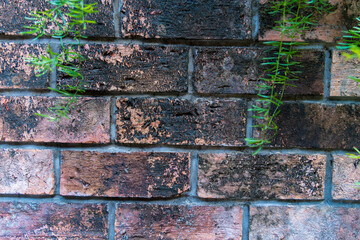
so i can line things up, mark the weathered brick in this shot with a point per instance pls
(26, 172)
(89, 121)
(138, 174)
(341, 69)
(329, 27)
(200, 19)
(139, 221)
(181, 122)
(238, 71)
(15, 72)
(53, 221)
(345, 174)
(311, 125)
(304, 222)
(243, 176)
(13, 13)
(134, 68)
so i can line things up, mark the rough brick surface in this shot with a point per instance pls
(310, 125)
(134, 68)
(200, 19)
(137, 221)
(26, 172)
(104, 26)
(89, 121)
(53, 221)
(341, 69)
(181, 122)
(15, 72)
(238, 71)
(137, 174)
(329, 27)
(346, 173)
(304, 222)
(243, 176)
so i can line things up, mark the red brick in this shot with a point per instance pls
(241, 176)
(134, 68)
(200, 19)
(345, 174)
(53, 221)
(15, 72)
(329, 27)
(138, 221)
(341, 68)
(89, 121)
(26, 172)
(238, 71)
(138, 174)
(304, 222)
(181, 122)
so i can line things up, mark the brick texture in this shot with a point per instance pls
(53, 221)
(242, 176)
(345, 174)
(15, 72)
(181, 122)
(304, 222)
(140, 174)
(89, 121)
(26, 172)
(138, 221)
(200, 19)
(133, 68)
(238, 71)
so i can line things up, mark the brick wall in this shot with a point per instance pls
(155, 148)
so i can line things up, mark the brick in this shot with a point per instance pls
(238, 70)
(53, 221)
(181, 122)
(341, 85)
(138, 174)
(26, 172)
(329, 27)
(140, 221)
(15, 72)
(200, 19)
(311, 125)
(242, 176)
(13, 13)
(304, 222)
(134, 68)
(345, 174)
(89, 121)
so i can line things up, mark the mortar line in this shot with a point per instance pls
(57, 170)
(328, 178)
(113, 119)
(112, 213)
(255, 19)
(327, 75)
(191, 69)
(194, 170)
(55, 47)
(249, 121)
(116, 18)
(246, 222)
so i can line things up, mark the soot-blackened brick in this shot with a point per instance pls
(241, 176)
(181, 122)
(199, 19)
(138, 174)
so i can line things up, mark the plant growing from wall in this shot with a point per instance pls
(297, 16)
(66, 19)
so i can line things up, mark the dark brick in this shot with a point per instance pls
(243, 176)
(304, 222)
(104, 26)
(15, 72)
(170, 222)
(138, 174)
(134, 68)
(238, 71)
(53, 221)
(181, 122)
(199, 19)
(26, 172)
(89, 121)
(311, 125)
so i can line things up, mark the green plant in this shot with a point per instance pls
(297, 16)
(66, 19)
